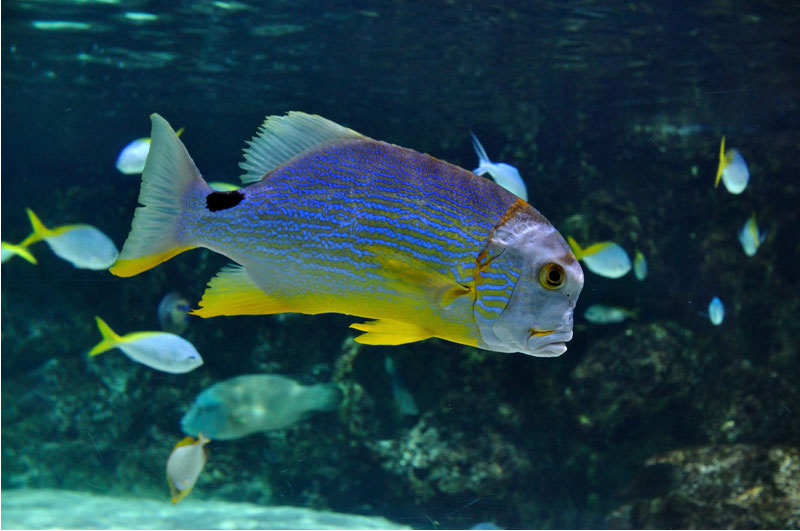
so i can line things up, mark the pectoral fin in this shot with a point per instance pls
(232, 292)
(437, 287)
(389, 332)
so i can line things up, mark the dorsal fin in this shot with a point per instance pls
(281, 138)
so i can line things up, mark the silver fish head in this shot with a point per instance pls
(538, 314)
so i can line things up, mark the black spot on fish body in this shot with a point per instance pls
(216, 201)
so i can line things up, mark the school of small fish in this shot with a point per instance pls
(483, 269)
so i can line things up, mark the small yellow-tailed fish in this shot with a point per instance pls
(159, 350)
(184, 466)
(84, 246)
(132, 158)
(639, 265)
(503, 174)
(732, 169)
(333, 221)
(10, 250)
(606, 259)
(750, 237)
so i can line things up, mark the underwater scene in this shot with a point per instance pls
(400, 265)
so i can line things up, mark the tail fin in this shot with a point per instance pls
(40, 232)
(110, 338)
(169, 176)
(576, 249)
(722, 161)
(325, 397)
(483, 158)
(10, 250)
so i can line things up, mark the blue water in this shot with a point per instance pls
(612, 112)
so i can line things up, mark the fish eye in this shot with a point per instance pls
(552, 276)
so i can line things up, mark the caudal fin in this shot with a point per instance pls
(576, 248)
(110, 338)
(169, 177)
(40, 232)
(325, 397)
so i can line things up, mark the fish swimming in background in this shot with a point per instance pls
(333, 221)
(504, 174)
(403, 399)
(750, 237)
(133, 156)
(732, 169)
(173, 313)
(604, 314)
(84, 246)
(247, 404)
(10, 250)
(639, 265)
(716, 311)
(184, 465)
(159, 350)
(606, 259)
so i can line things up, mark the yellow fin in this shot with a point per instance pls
(576, 248)
(40, 232)
(722, 162)
(128, 267)
(110, 338)
(440, 288)
(232, 292)
(20, 251)
(389, 332)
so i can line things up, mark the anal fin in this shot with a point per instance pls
(389, 332)
(233, 292)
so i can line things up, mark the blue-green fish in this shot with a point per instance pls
(333, 221)
(732, 169)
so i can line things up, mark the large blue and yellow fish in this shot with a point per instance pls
(333, 221)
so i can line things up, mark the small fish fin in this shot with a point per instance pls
(40, 232)
(439, 288)
(110, 338)
(178, 495)
(389, 332)
(233, 292)
(169, 176)
(20, 250)
(576, 248)
(281, 138)
(722, 162)
(180, 131)
(188, 441)
(483, 158)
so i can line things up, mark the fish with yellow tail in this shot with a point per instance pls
(332, 221)
(732, 170)
(159, 350)
(84, 246)
(185, 464)
(607, 259)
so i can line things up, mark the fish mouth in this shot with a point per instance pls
(554, 344)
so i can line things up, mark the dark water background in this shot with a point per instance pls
(612, 112)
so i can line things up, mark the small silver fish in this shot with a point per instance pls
(403, 398)
(732, 169)
(716, 311)
(173, 313)
(84, 246)
(750, 236)
(184, 466)
(603, 314)
(159, 350)
(243, 405)
(503, 174)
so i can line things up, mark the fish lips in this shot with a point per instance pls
(550, 345)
